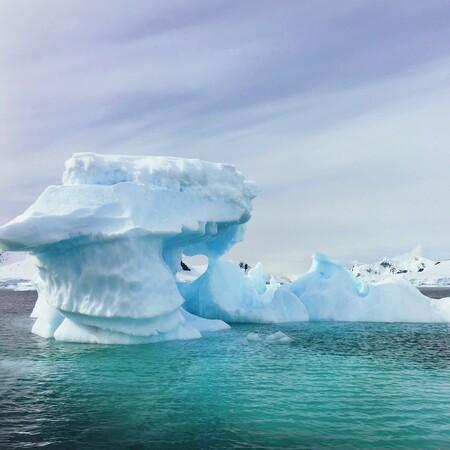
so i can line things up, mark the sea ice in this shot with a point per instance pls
(279, 338)
(253, 337)
(109, 240)
(275, 338)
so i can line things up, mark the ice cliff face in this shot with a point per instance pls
(109, 240)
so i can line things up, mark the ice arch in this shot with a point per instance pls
(109, 241)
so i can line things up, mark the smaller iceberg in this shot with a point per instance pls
(328, 292)
(331, 293)
(226, 292)
(279, 338)
(275, 338)
(253, 337)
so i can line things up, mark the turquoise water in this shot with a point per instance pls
(338, 385)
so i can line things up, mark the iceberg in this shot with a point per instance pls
(253, 337)
(328, 292)
(226, 292)
(108, 243)
(332, 293)
(279, 338)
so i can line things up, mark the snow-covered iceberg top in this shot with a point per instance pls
(204, 179)
(107, 196)
(109, 241)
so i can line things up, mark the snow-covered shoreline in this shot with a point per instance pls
(418, 270)
(17, 271)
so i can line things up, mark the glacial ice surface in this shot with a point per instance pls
(109, 240)
(328, 292)
(331, 293)
(225, 292)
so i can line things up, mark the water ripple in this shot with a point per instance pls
(338, 385)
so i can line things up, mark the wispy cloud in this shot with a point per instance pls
(338, 110)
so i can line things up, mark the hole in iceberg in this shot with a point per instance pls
(191, 267)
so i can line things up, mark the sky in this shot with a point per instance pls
(338, 110)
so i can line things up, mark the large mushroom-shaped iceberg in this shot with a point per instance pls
(109, 241)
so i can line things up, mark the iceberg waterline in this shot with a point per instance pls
(108, 243)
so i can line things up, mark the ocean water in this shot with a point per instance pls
(338, 385)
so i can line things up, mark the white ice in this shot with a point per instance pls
(279, 338)
(275, 338)
(418, 270)
(226, 292)
(330, 292)
(109, 240)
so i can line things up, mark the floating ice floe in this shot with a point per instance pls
(277, 338)
(253, 337)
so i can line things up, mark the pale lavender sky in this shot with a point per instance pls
(339, 110)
